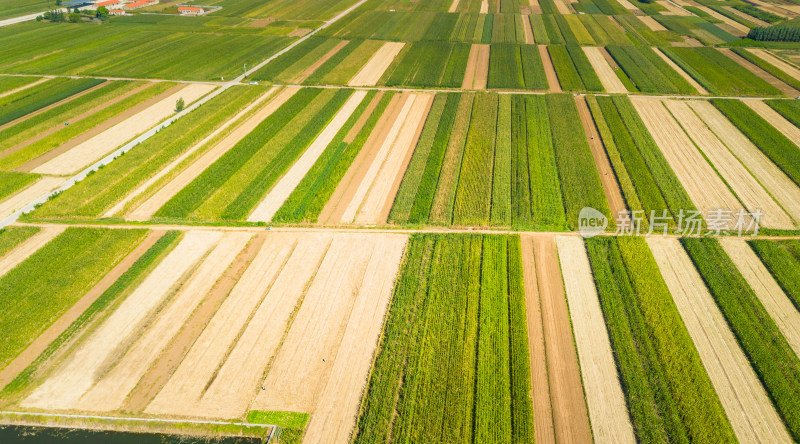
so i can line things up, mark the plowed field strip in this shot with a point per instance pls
(315, 66)
(472, 63)
(38, 346)
(749, 410)
(651, 23)
(778, 121)
(77, 375)
(607, 409)
(111, 391)
(549, 71)
(377, 64)
(763, 75)
(608, 77)
(776, 62)
(27, 248)
(749, 191)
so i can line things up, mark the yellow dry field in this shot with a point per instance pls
(747, 17)
(453, 6)
(372, 71)
(608, 77)
(111, 391)
(680, 71)
(89, 362)
(148, 208)
(477, 67)
(607, 410)
(730, 25)
(746, 404)
(672, 9)
(95, 148)
(28, 194)
(120, 206)
(562, 7)
(775, 119)
(484, 7)
(704, 186)
(273, 201)
(627, 5)
(27, 248)
(746, 187)
(526, 25)
(772, 297)
(776, 62)
(651, 23)
(782, 189)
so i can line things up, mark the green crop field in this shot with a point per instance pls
(453, 364)
(415, 67)
(574, 71)
(31, 99)
(648, 71)
(782, 259)
(515, 67)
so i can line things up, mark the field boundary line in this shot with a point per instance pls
(136, 419)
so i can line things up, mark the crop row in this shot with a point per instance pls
(430, 64)
(766, 66)
(12, 181)
(31, 99)
(648, 71)
(774, 361)
(453, 360)
(668, 392)
(782, 259)
(574, 71)
(789, 109)
(516, 67)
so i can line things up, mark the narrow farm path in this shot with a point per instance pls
(549, 71)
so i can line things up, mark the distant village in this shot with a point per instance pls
(123, 7)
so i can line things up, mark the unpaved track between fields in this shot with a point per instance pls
(774, 118)
(768, 291)
(549, 71)
(40, 344)
(24, 250)
(96, 147)
(607, 175)
(704, 186)
(110, 392)
(679, 70)
(159, 373)
(121, 205)
(787, 90)
(783, 189)
(84, 366)
(335, 414)
(315, 66)
(276, 197)
(373, 70)
(608, 77)
(749, 191)
(52, 105)
(149, 207)
(746, 404)
(23, 87)
(604, 398)
(24, 196)
(526, 24)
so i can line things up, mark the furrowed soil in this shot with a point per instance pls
(604, 398)
(377, 64)
(770, 58)
(549, 71)
(747, 405)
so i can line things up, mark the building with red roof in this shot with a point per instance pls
(140, 4)
(190, 10)
(107, 3)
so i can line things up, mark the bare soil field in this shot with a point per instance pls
(747, 17)
(526, 24)
(86, 365)
(606, 403)
(359, 125)
(746, 404)
(27, 195)
(477, 67)
(559, 404)
(27, 248)
(778, 121)
(148, 208)
(272, 202)
(453, 6)
(372, 71)
(315, 66)
(680, 71)
(776, 62)
(701, 182)
(627, 5)
(608, 77)
(728, 24)
(93, 149)
(562, 7)
(651, 23)
(673, 9)
(607, 176)
(774, 181)
(763, 75)
(772, 297)
(484, 7)
(749, 191)
(549, 71)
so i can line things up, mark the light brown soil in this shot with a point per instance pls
(121, 205)
(747, 17)
(484, 7)
(453, 6)
(526, 25)
(148, 208)
(372, 71)
(772, 297)
(775, 9)
(543, 411)
(604, 398)
(680, 71)
(260, 23)
(24, 359)
(610, 60)
(96, 130)
(525, 10)
(472, 63)
(607, 176)
(337, 407)
(672, 9)
(359, 125)
(299, 32)
(53, 105)
(746, 404)
(110, 392)
(27, 195)
(84, 367)
(775, 119)
(627, 5)
(749, 191)
(482, 67)
(23, 87)
(27, 248)
(730, 25)
(273, 201)
(535, 7)
(651, 23)
(159, 373)
(337, 204)
(611, 83)
(99, 145)
(701, 182)
(787, 90)
(549, 71)
(562, 7)
(315, 66)
(783, 189)
(776, 62)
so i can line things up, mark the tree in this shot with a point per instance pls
(74, 17)
(179, 105)
(58, 2)
(102, 12)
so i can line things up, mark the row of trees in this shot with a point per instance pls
(58, 15)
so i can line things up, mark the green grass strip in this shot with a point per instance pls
(12, 181)
(10, 237)
(781, 259)
(29, 100)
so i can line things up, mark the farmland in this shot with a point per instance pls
(361, 221)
